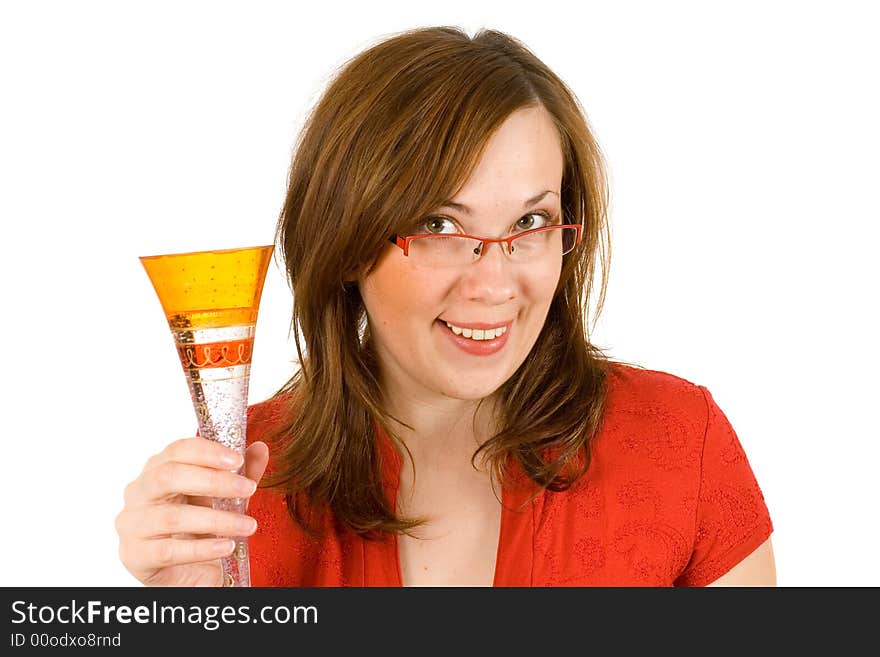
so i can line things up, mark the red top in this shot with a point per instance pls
(669, 500)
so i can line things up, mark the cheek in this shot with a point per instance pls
(542, 284)
(398, 296)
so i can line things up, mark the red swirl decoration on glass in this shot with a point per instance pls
(216, 354)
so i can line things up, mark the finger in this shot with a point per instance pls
(256, 460)
(171, 479)
(163, 520)
(207, 573)
(153, 554)
(197, 451)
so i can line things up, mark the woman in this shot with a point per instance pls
(451, 423)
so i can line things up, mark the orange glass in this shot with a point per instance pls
(211, 300)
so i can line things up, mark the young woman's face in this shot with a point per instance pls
(408, 304)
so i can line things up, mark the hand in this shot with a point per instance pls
(168, 532)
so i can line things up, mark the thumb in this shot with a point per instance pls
(256, 458)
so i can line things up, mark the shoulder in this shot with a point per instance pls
(264, 417)
(654, 435)
(631, 385)
(655, 412)
(668, 435)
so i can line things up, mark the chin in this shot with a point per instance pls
(473, 393)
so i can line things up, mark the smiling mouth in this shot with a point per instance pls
(477, 334)
(474, 335)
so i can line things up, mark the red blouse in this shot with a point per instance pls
(669, 500)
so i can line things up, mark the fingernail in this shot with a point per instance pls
(247, 487)
(233, 459)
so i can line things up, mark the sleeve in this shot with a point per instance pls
(732, 518)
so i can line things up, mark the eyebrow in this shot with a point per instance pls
(466, 210)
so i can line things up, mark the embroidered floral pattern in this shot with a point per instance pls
(669, 499)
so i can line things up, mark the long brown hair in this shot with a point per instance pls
(397, 132)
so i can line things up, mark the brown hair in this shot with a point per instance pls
(397, 132)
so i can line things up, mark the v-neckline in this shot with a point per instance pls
(515, 525)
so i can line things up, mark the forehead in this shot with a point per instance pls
(522, 159)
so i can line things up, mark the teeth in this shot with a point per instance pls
(478, 334)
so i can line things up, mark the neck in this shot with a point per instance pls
(445, 431)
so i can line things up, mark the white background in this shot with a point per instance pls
(742, 141)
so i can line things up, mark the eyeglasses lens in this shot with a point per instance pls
(455, 250)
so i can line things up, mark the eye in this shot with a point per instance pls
(527, 222)
(434, 225)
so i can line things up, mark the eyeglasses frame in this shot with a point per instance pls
(403, 241)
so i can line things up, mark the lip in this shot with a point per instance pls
(477, 325)
(476, 347)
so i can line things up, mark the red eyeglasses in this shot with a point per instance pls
(458, 249)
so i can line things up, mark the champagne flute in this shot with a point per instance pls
(211, 300)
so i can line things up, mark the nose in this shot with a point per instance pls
(491, 279)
